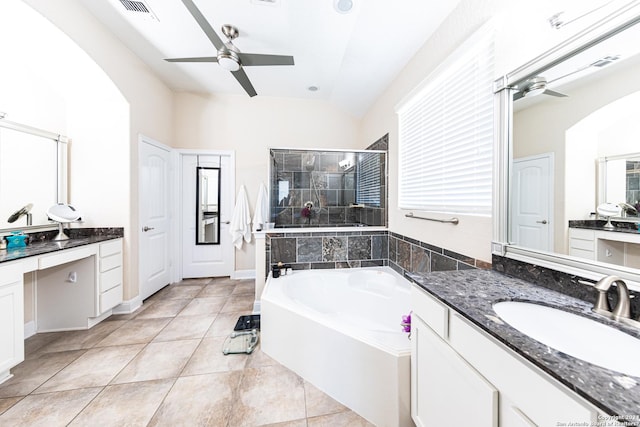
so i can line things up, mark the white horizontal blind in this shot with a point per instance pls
(368, 187)
(446, 138)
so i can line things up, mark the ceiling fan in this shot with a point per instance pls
(229, 57)
(536, 86)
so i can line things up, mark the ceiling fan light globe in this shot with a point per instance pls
(534, 91)
(343, 6)
(228, 62)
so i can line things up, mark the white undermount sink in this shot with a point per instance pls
(574, 335)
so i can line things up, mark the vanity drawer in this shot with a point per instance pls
(110, 299)
(110, 262)
(432, 312)
(110, 279)
(582, 234)
(110, 248)
(584, 245)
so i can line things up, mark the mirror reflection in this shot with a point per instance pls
(575, 127)
(619, 178)
(28, 178)
(208, 206)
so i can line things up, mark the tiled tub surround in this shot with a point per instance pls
(367, 248)
(472, 293)
(298, 176)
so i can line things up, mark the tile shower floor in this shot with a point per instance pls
(163, 366)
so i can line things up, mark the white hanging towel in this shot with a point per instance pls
(240, 226)
(261, 214)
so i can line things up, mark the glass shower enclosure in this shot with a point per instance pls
(328, 188)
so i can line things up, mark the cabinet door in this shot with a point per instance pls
(445, 390)
(11, 319)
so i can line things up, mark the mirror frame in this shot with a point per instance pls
(198, 205)
(62, 152)
(503, 113)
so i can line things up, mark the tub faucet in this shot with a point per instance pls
(623, 307)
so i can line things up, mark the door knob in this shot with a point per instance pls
(544, 221)
(145, 228)
(226, 222)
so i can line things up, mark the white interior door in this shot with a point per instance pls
(532, 202)
(154, 233)
(207, 260)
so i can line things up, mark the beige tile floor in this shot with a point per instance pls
(163, 366)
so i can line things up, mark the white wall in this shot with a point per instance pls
(251, 126)
(103, 168)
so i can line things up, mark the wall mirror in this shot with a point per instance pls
(208, 206)
(33, 175)
(619, 179)
(560, 116)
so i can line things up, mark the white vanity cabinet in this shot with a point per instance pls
(613, 247)
(462, 376)
(11, 318)
(445, 389)
(109, 288)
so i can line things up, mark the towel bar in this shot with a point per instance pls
(453, 220)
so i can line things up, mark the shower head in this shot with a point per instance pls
(309, 164)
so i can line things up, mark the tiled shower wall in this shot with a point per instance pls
(352, 249)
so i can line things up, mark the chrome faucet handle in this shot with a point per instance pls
(623, 307)
(602, 303)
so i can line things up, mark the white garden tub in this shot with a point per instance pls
(340, 330)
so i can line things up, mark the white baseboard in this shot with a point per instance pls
(256, 307)
(243, 274)
(128, 307)
(30, 329)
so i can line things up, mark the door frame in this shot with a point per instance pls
(177, 219)
(550, 157)
(143, 139)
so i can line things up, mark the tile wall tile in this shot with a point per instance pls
(354, 249)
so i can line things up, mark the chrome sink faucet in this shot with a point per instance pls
(623, 307)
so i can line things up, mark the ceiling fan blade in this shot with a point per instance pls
(554, 93)
(243, 79)
(255, 59)
(518, 95)
(204, 24)
(197, 59)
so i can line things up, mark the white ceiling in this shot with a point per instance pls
(351, 57)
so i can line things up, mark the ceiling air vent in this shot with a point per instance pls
(139, 7)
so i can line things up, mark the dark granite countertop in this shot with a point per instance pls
(41, 247)
(472, 294)
(598, 224)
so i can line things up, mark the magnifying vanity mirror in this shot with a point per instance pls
(568, 141)
(33, 175)
(208, 206)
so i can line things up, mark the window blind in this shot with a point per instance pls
(368, 182)
(446, 138)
